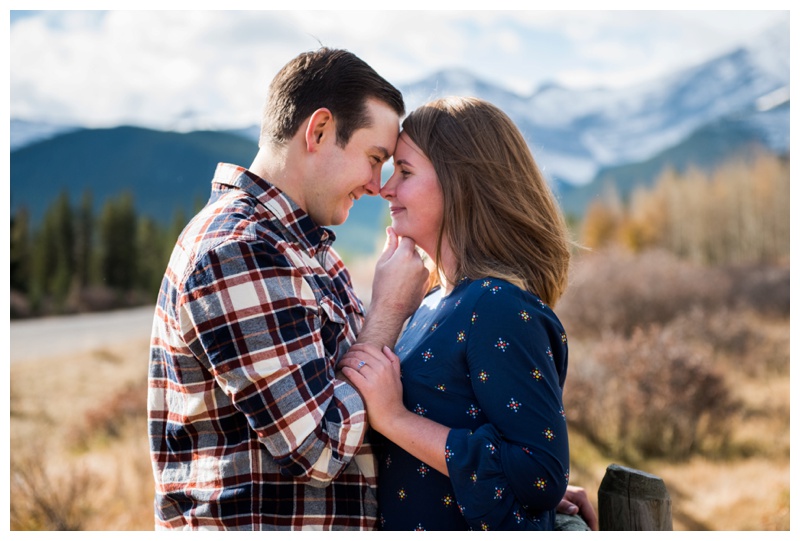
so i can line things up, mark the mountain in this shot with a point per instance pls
(574, 134)
(583, 139)
(164, 171)
(703, 149)
(582, 136)
(26, 132)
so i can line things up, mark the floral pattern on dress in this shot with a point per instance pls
(474, 373)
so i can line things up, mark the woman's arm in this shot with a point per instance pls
(378, 381)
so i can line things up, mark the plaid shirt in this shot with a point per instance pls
(249, 428)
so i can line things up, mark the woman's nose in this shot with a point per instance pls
(388, 189)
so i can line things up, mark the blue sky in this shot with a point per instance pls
(154, 67)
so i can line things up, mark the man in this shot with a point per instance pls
(250, 426)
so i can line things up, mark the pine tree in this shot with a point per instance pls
(20, 251)
(53, 261)
(84, 227)
(117, 231)
(150, 243)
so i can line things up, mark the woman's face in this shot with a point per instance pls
(415, 197)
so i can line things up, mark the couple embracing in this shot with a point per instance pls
(277, 402)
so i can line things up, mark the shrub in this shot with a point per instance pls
(109, 419)
(740, 340)
(649, 396)
(763, 288)
(41, 500)
(615, 291)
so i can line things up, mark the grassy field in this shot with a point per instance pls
(78, 420)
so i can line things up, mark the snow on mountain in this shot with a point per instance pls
(574, 133)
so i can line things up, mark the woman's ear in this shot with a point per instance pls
(320, 127)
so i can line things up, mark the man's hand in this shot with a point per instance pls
(576, 501)
(398, 287)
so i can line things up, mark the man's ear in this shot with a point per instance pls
(319, 128)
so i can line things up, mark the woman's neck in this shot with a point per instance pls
(448, 269)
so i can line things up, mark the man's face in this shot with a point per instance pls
(345, 174)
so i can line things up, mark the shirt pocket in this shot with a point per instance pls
(333, 325)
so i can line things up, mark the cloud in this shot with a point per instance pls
(170, 69)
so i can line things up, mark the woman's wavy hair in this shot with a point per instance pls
(500, 216)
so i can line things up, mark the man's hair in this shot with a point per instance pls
(500, 216)
(331, 78)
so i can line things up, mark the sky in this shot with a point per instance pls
(173, 68)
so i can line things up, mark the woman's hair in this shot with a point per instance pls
(500, 216)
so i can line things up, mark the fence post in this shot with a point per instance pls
(630, 499)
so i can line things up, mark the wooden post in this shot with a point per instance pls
(630, 499)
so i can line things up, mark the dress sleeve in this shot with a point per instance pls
(513, 470)
(256, 326)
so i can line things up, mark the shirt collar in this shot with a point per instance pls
(311, 236)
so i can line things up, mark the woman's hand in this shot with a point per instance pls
(375, 373)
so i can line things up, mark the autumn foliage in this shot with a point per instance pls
(739, 213)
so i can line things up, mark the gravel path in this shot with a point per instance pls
(44, 337)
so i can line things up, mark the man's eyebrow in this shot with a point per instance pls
(382, 151)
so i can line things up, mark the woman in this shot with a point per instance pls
(476, 433)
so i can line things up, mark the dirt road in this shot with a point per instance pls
(46, 337)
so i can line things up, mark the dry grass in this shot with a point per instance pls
(62, 409)
(638, 326)
(87, 412)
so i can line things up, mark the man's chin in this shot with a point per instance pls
(339, 220)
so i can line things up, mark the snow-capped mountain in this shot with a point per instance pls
(575, 133)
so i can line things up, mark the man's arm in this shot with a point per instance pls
(250, 318)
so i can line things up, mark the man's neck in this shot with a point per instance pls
(274, 164)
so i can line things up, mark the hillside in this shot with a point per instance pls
(705, 149)
(164, 171)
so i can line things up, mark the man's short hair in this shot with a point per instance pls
(332, 78)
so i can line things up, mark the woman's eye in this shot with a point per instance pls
(404, 172)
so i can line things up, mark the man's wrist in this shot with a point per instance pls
(381, 330)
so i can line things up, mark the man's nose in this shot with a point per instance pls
(373, 187)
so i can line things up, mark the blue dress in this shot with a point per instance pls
(489, 361)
